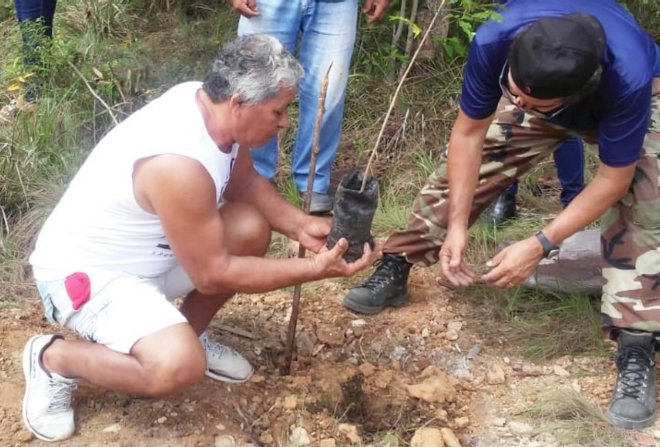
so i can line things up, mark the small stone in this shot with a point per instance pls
(454, 326)
(114, 428)
(451, 335)
(427, 437)
(441, 414)
(358, 323)
(382, 379)
(495, 375)
(439, 388)
(520, 428)
(449, 437)
(389, 440)
(462, 422)
(220, 427)
(299, 437)
(499, 422)
(161, 420)
(656, 434)
(350, 431)
(256, 378)
(23, 436)
(290, 402)
(367, 369)
(328, 442)
(266, 438)
(425, 333)
(224, 441)
(532, 370)
(559, 371)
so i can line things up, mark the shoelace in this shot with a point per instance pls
(215, 349)
(60, 394)
(386, 268)
(634, 364)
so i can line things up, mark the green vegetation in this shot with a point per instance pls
(573, 420)
(107, 60)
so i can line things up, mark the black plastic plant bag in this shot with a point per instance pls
(353, 214)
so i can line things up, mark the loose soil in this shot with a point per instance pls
(355, 380)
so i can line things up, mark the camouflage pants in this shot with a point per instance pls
(516, 142)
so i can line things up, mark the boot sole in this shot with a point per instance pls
(628, 423)
(222, 378)
(372, 310)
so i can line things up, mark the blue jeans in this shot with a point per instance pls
(324, 33)
(569, 160)
(32, 11)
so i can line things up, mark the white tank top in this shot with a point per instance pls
(98, 223)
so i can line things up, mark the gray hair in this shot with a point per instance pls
(255, 67)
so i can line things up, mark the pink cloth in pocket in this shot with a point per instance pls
(78, 288)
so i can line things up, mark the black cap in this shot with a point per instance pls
(554, 57)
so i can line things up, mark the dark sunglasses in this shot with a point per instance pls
(506, 92)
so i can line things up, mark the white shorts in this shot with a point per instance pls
(122, 308)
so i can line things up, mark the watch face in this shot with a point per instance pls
(553, 254)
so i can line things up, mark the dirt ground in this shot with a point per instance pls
(355, 381)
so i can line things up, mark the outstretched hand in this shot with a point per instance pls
(451, 259)
(247, 8)
(514, 264)
(331, 261)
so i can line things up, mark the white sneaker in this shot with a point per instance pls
(47, 411)
(223, 363)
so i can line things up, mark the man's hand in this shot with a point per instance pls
(514, 264)
(451, 258)
(247, 8)
(375, 9)
(331, 262)
(313, 232)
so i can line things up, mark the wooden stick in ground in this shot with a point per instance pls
(307, 199)
(396, 93)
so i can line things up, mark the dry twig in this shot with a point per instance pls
(396, 93)
(295, 305)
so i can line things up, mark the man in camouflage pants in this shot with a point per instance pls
(542, 74)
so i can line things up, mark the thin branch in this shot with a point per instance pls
(94, 94)
(396, 93)
(307, 199)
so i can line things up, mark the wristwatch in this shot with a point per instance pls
(550, 250)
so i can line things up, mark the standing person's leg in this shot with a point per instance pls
(126, 322)
(32, 14)
(514, 144)
(328, 37)
(569, 160)
(630, 243)
(36, 20)
(281, 19)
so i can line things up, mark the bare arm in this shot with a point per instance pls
(608, 186)
(182, 194)
(463, 161)
(248, 186)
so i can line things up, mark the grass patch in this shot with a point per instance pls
(572, 419)
(542, 325)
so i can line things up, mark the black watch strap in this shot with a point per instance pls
(548, 247)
